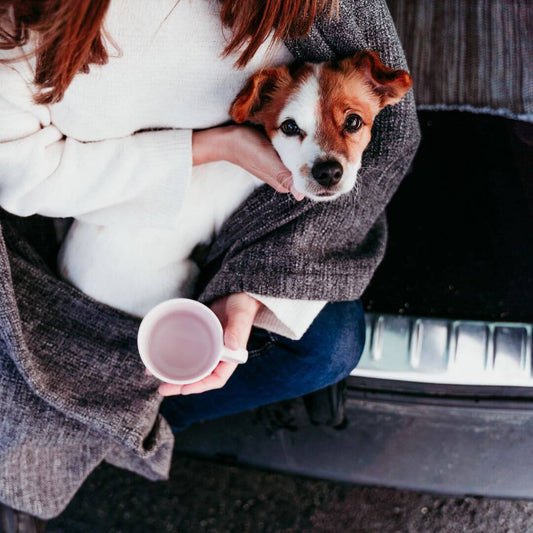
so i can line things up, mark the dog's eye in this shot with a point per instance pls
(289, 127)
(352, 123)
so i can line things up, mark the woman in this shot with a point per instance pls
(169, 78)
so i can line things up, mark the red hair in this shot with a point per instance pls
(70, 32)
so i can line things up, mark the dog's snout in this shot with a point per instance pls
(327, 173)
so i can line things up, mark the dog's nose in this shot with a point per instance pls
(327, 173)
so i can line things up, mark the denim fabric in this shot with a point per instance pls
(279, 368)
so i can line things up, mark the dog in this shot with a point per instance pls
(319, 119)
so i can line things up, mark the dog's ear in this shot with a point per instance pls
(388, 84)
(257, 91)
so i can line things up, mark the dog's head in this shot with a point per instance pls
(319, 116)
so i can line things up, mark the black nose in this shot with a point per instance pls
(327, 173)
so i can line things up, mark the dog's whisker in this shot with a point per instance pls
(273, 192)
(285, 182)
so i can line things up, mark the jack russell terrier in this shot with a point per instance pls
(318, 118)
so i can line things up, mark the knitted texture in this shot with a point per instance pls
(471, 56)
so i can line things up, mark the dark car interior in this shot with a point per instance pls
(461, 224)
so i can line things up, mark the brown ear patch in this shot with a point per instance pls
(390, 85)
(258, 91)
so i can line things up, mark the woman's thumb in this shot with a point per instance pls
(239, 321)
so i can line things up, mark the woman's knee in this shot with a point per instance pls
(335, 340)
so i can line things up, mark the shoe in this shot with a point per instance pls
(13, 521)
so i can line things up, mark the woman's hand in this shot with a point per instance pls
(246, 147)
(236, 313)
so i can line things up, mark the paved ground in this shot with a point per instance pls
(207, 497)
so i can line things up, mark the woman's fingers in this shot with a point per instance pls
(263, 162)
(297, 194)
(281, 182)
(216, 380)
(252, 150)
(169, 389)
(236, 313)
(238, 320)
(246, 147)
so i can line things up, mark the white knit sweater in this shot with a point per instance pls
(117, 149)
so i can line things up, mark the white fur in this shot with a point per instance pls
(294, 152)
(349, 177)
(135, 269)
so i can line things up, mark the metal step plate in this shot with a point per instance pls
(460, 352)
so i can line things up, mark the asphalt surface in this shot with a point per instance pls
(203, 496)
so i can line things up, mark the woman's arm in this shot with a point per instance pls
(288, 318)
(138, 180)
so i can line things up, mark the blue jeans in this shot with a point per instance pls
(279, 368)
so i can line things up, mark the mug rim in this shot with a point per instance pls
(173, 304)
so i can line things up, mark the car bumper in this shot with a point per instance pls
(453, 414)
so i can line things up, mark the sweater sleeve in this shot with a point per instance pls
(138, 180)
(289, 318)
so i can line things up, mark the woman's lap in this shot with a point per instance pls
(280, 368)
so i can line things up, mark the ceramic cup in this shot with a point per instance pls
(180, 341)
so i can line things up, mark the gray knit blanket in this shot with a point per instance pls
(72, 388)
(469, 55)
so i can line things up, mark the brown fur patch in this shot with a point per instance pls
(269, 94)
(270, 112)
(343, 93)
(389, 84)
(360, 85)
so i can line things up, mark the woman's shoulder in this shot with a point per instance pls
(17, 55)
(20, 59)
(17, 73)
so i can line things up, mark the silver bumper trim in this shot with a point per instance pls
(459, 352)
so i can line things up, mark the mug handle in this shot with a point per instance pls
(234, 356)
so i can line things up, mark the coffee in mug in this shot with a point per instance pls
(180, 341)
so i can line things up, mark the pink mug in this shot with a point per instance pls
(180, 341)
